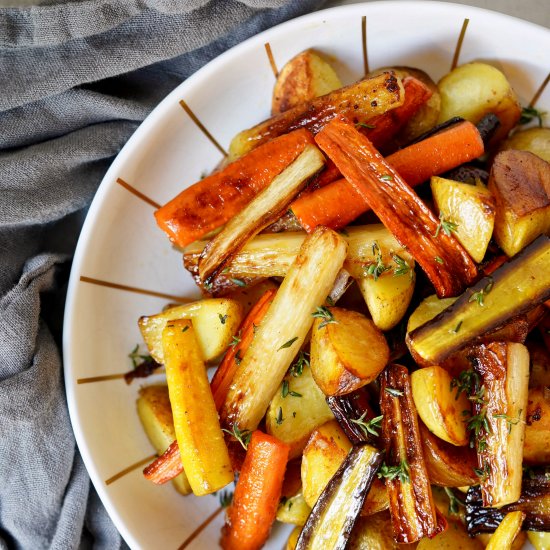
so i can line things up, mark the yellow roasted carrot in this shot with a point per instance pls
(200, 439)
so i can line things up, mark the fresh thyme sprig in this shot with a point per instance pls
(445, 225)
(285, 390)
(454, 501)
(135, 356)
(530, 113)
(468, 382)
(226, 498)
(288, 343)
(394, 392)
(370, 426)
(483, 473)
(243, 437)
(297, 367)
(235, 340)
(324, 313)
(509, 420)
(479, 296)
(401, 472)
(403, 266)
(376, 269)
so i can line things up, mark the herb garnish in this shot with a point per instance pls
(479, 296)
(134, 355)
(363, 125)
(238, 357)
(298, 367)
(370, 426)
(279, 420)
(454, 502)
(386, 177)
(243, 437)
(468, 382)
(285, 390)
(439, 260)
(529, 113)
(401, 471)
(376, 269)
(393, 392)
(483, 473)
(509, 420)
(403, 266)
(324, 313)
(457, 328)
(235, 340)
(445, 225)
(238, 282)
(226, 498)
(223, 318)
(289, 343)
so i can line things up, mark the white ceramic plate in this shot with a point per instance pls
(120, 242)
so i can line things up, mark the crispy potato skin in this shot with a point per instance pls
(520, 183)
(305, 77)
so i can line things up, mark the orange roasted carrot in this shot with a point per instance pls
(209, 203)
(441, 256)
(226, 371)
(168, 465)
(337, 204)
(257, 494)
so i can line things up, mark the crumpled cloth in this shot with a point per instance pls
(76, 79)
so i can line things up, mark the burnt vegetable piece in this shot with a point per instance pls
(399, 208)
(330, 523)
(497, 426)
(534, 502)
(412, 509)
(514, 289)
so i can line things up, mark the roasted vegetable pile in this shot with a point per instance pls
(375, 267)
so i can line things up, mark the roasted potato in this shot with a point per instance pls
(325, 451)
(347, 351)
(302, 406)
(476, 89)
(541, 541)
(387, 297)
(536, 449)
(305, 77)
(534, 140)
(507, 531)
(155, 413)
(520, 183)
(377, 499)
(438, 404)
(540, 364)
(215, 321)
(427, 310)
(454, 537)
(293, 538)
(293, 510)
(374, 533)
(518, 543)
(471, 208)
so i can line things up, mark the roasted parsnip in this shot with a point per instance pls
(360, 102)
(514, 289)
(498, 425)
(283, 329)
(506, 532)
(261, 211)
(399, 208)
(200, 439)
(330, 523)
(212, 334)
(412, 508)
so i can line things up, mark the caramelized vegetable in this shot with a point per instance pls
(293, 510)
(506, 532)
(200, 439)
(347, 350)
(398, 207)
(514, 289)
(262, 210)
(360, 102)
(211, 202)
(330, 523)
(257, 494)
(283, 329)
(498, 424)
(534, 502)
(412, 508)
(520, 182)
(536, 449)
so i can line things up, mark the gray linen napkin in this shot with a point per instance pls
(76, 79)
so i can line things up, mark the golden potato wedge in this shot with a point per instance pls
(454, 537)
(377, 499)
(508, 529)
(293, 510)
(374, 533)
(155, 413)
(541, 541)
(302, 407)
(474, 90)
(471, 208)
(536, 448)
(520, 183)
(347, 351)
(518, 543)
(215, 321)
(325, 451)
(303, 78)
(448, 465)
(387, 297)
(540, 364)
(534, 140)
(439, 406)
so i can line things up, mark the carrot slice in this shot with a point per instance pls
(257, 494)
(399, 208)
(168, 465)
(226, 371)
(209, 203)
(337, 204)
